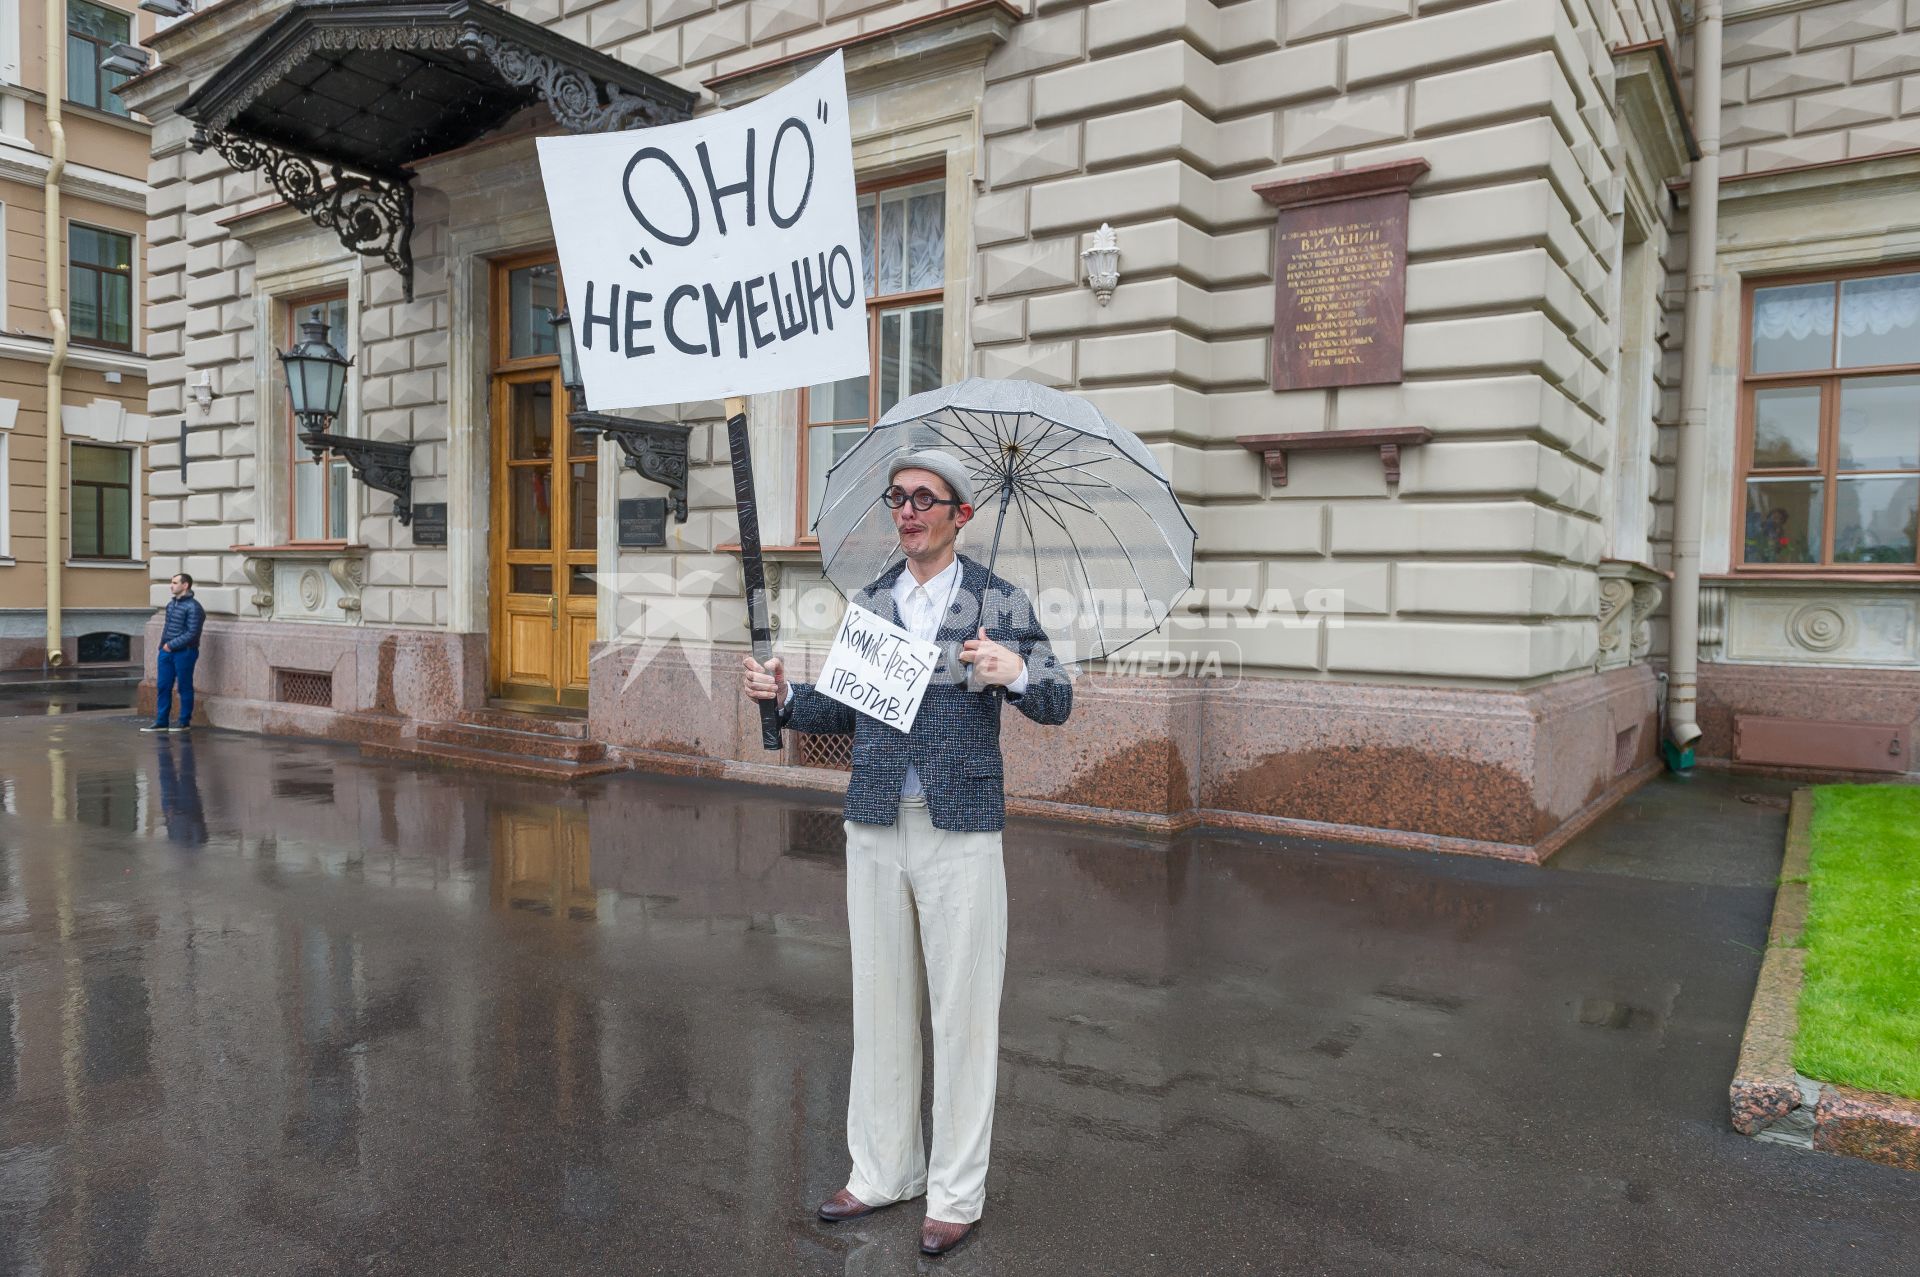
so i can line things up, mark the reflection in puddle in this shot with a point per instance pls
(542, 861)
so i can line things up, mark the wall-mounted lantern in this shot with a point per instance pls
(655, 450)
(1102, 260)
(317, 391)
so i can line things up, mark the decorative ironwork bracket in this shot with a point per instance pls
(655, 450)
(570, 93)
(372, 216)
(1273, 449)
(381, 465)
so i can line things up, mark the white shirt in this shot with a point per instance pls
(921, 608)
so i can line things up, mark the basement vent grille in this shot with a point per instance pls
(303, 687)
(834, 753)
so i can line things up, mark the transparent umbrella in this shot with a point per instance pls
(1072, 509)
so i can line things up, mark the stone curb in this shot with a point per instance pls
(1769, 1099)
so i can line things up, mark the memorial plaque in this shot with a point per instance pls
(430, 523)
(643, 521)
(1340, 276)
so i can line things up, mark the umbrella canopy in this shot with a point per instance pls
(1069, 507)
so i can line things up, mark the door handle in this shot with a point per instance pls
(553, 611)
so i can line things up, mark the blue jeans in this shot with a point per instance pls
(171, 667)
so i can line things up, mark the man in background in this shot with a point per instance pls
(179, 652)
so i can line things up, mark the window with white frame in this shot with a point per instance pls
(903, 242)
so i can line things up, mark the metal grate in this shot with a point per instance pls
(303, 687)
(820, 835)
(832, 752)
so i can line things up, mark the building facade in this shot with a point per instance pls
(97, 562)
(1457, 644)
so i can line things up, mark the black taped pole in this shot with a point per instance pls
(752, 567)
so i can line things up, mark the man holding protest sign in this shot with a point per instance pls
(925, 879)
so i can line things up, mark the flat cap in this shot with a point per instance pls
(940, 463)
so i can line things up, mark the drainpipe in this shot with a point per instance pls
(1703, 233)
(56, 18)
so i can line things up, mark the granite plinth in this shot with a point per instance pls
(1818, 694)
(384, 679)
(1507, 774)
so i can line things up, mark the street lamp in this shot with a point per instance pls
(562, 324)
(654, 450)
(316, 382)
(316, 390)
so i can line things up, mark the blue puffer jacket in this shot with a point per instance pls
(185, 616)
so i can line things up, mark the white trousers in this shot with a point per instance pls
(915, 892)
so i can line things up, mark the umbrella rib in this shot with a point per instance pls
(1081, 559)
(1037, 471)
(826, 568)
(1096, 481)
(1073, 437)
(1113, 532)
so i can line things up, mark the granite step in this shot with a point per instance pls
(518, 741)
(487, 760)
(542, 722)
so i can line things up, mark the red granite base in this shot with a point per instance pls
(1815, 693)
(1478, 772)
(385, 679)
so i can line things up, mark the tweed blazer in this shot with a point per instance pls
(955, 741)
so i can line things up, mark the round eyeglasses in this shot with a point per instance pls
(922, 498)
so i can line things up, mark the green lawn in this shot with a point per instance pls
(1860, 1005)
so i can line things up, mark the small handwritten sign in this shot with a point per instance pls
(878, 668)
(718, 256)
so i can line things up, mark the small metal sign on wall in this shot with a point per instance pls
(430, 523)
(643, 522)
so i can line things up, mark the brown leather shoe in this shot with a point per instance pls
(843, 1206)
(938, 1237)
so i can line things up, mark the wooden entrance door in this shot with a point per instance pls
(545, 506)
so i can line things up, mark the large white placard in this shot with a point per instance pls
(720, 256)
(878, 668)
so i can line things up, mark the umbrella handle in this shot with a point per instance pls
(993, 556)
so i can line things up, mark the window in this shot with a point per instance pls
(903, 243)
(316, 491)
(92, 29)
(100, 286)
(101, 499)
(1830, 437)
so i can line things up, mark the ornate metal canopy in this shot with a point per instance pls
(338, 98)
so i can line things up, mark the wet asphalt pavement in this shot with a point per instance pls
(268, 1007)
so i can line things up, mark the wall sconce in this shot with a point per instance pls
(1102, 260)
(203, 392)
(654, 450)
(317, 393)
(167, 8)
